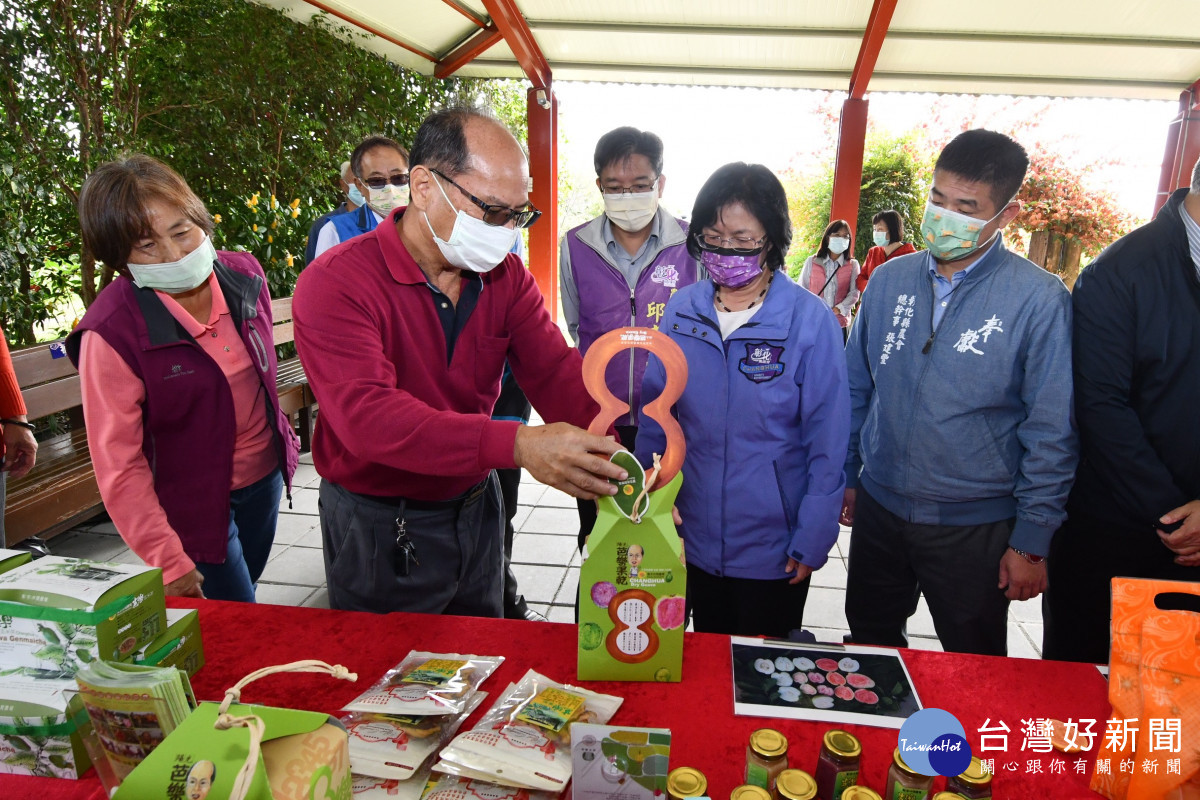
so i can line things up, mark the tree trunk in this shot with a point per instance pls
(1054, 255)
(1039, 242)
(1070, 268)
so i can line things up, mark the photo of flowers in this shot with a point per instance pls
(854, 685)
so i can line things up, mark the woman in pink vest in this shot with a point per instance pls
(177, 369)
(831, 274)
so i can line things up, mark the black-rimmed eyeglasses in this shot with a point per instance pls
(738, 244)
(498, 215)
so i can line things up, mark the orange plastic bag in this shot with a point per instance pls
(1153, 681)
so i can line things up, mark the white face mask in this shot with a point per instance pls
(473, 244)
(632, 212)
(178, 276)
(838, 244)
(384, 201)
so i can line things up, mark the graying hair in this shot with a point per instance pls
(1196, 177)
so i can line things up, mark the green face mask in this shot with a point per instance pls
(950, 235)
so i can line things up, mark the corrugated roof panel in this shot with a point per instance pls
(1127, 18)
(726, 13)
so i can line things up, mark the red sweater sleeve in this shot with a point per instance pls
(11, 403)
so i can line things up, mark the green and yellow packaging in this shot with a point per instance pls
(57, 614)
(42, 723)
(180, 646)
(13, 558)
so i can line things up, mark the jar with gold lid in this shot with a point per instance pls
(766, 757)
(837, 766)
(795, 784)
(749, 792)
(948, 796)
(975, 783)
(860, 793)
(904, 783)
(686, 782)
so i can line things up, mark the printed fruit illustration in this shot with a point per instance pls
(835, 679)
(670, 611)
(827, 665)
(859, 681)
(848, 665)
(804, 664)
(663, 675)
(602, 593)
(816, 677)
(844, 693)
(590, 636)
(825, 690)
(866, 696)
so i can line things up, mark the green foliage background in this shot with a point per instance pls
(245, 103)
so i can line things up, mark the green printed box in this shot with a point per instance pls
(57, 614)
(632, 588)
(179, 647)
(42, 725)
(12, 558)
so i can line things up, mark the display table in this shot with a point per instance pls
(240, 638)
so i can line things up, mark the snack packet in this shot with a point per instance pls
(524, 740)
(368, 787)
(390, 746)
(424, 684)
(449, 787)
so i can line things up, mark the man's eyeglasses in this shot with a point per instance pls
(637, 188)
(739, 244)
(495, 214)
(394, 180)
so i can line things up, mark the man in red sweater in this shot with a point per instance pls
(403, 333)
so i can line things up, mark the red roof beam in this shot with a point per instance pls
(872, 43)
(466, 52)
(511, 22)
(373, 31)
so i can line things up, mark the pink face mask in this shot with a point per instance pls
(731, 270)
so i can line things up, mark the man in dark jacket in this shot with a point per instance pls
(1134, 510)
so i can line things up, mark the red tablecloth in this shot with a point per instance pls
(240, 638)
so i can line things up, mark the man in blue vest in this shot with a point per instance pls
(380, 167)
(620, 268)
(354, 200)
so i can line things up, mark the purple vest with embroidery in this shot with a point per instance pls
(188, 422)
(605, 303)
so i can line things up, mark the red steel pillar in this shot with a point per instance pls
(543, 169)
(847, 171)
(1183, 146)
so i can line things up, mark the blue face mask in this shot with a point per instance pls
(880, 238)
(355, 196)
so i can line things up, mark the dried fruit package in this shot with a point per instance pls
(367, 787)
(393, 746)
(524, 740)
(427, 683)
(452, 787)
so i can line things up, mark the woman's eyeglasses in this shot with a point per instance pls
(394, 180)
(738, 244)
(495, 214)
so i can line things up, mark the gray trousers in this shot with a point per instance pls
(458, 549)
(892, 562)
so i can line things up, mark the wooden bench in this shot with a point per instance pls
(60, 492)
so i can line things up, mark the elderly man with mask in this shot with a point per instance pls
(620, 268)
(380, 178)
(403, 333)
(354, 201)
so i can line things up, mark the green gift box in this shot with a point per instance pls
(180, 646)
(57, 614)
(13, 558)
(42, 725)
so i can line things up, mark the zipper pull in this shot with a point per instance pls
(928, 344)
(632, 309)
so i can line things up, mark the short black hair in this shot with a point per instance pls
(894, 222)
(986, 157)
(441, 141)
(823, 250)
(621, 143)
(370, 143)
(759, 192)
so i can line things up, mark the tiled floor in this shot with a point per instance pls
(545, 561)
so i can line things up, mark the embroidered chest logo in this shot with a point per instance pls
(762, 362)
(177, 371)
(666, 275)
(971, 337)
(902, 316)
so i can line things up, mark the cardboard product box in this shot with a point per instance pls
(631, 593)
(180, 646)
(42, 726)
(13, 558)
(57, 614)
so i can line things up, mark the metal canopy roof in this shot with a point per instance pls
(1134, 48)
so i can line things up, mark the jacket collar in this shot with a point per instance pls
(773, 319)
(669, 230)
(994, 256)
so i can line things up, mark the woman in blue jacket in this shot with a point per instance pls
(766, 413)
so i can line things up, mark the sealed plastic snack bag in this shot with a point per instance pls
(450, 787)
(524, 740)
(368, 787)
(387, 746)
(427, 683)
